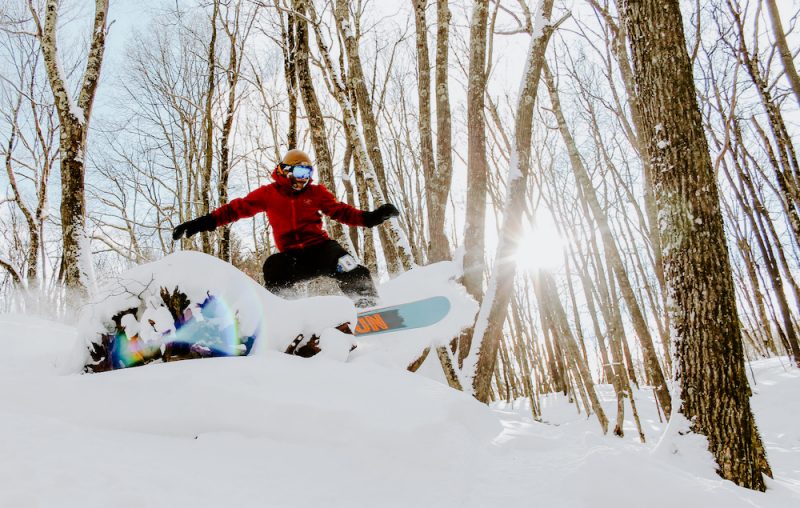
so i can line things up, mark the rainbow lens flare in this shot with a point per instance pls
(212, 332)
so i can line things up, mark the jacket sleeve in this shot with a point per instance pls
(338, 211)
(242, 208)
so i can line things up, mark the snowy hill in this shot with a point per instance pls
(278, 430)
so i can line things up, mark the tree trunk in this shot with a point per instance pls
(620, 50)
(232, 75)
(494, 308)
(289, 48)
(395, 237)
(208, 132)
(710, 360)
(476, 155)
(396, 255)
(32, 256)
(547, 294)
(473, 263)
(433, 198)
(316, 120)
(783, 48)
(438, 189)
(74, 119)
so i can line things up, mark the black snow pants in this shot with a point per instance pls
(284, 269)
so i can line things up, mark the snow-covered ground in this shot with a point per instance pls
(277, 430)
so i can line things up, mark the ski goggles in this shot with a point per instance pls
(300, 171)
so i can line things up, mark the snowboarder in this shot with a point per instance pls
(293, 205)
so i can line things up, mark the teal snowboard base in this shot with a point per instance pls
(405, 316)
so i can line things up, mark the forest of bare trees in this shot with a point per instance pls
(618, 181)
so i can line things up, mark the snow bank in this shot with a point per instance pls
(278, 430)
(225, 303)
(241, 304)
(268, 430)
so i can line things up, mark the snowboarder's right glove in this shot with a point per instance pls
(380, 214)
(192, 227)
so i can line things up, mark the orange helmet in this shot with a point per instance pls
(294, 157)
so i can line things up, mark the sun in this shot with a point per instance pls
(541, 246)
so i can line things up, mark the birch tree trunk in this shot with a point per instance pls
(316, 120)
(710, 359)
(783, 48)
(395, 254)
(74, 126)
(476, 156)
(208, 132)
(441, 182)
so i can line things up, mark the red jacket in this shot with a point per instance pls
(294, 216)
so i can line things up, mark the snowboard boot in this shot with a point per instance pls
(366, 302)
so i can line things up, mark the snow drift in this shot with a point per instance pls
(189, 304)
(270, 429)
(278, 430)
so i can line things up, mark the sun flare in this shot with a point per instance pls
(541, 246)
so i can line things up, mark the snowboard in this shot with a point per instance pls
(405, 316)
(394, 318)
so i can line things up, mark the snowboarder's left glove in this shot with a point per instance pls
(192, 227)
(380, 214)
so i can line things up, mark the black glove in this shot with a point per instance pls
(380, 214)
(192, 227)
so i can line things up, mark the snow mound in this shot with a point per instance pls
(206, 304)
(149, 299)
(279, 430)
(267, 430)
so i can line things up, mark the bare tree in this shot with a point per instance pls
(289, 47)
(207, 168)
(438, 187)
(474, 240)
(395, 235)
(612, 251)
(783, 48)
(437, 179)
(397, 254)
(237, 26)
(29, 153)
(316, 120)
(710, 362)
(494, 308)
(74, 128)
(424, 97)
